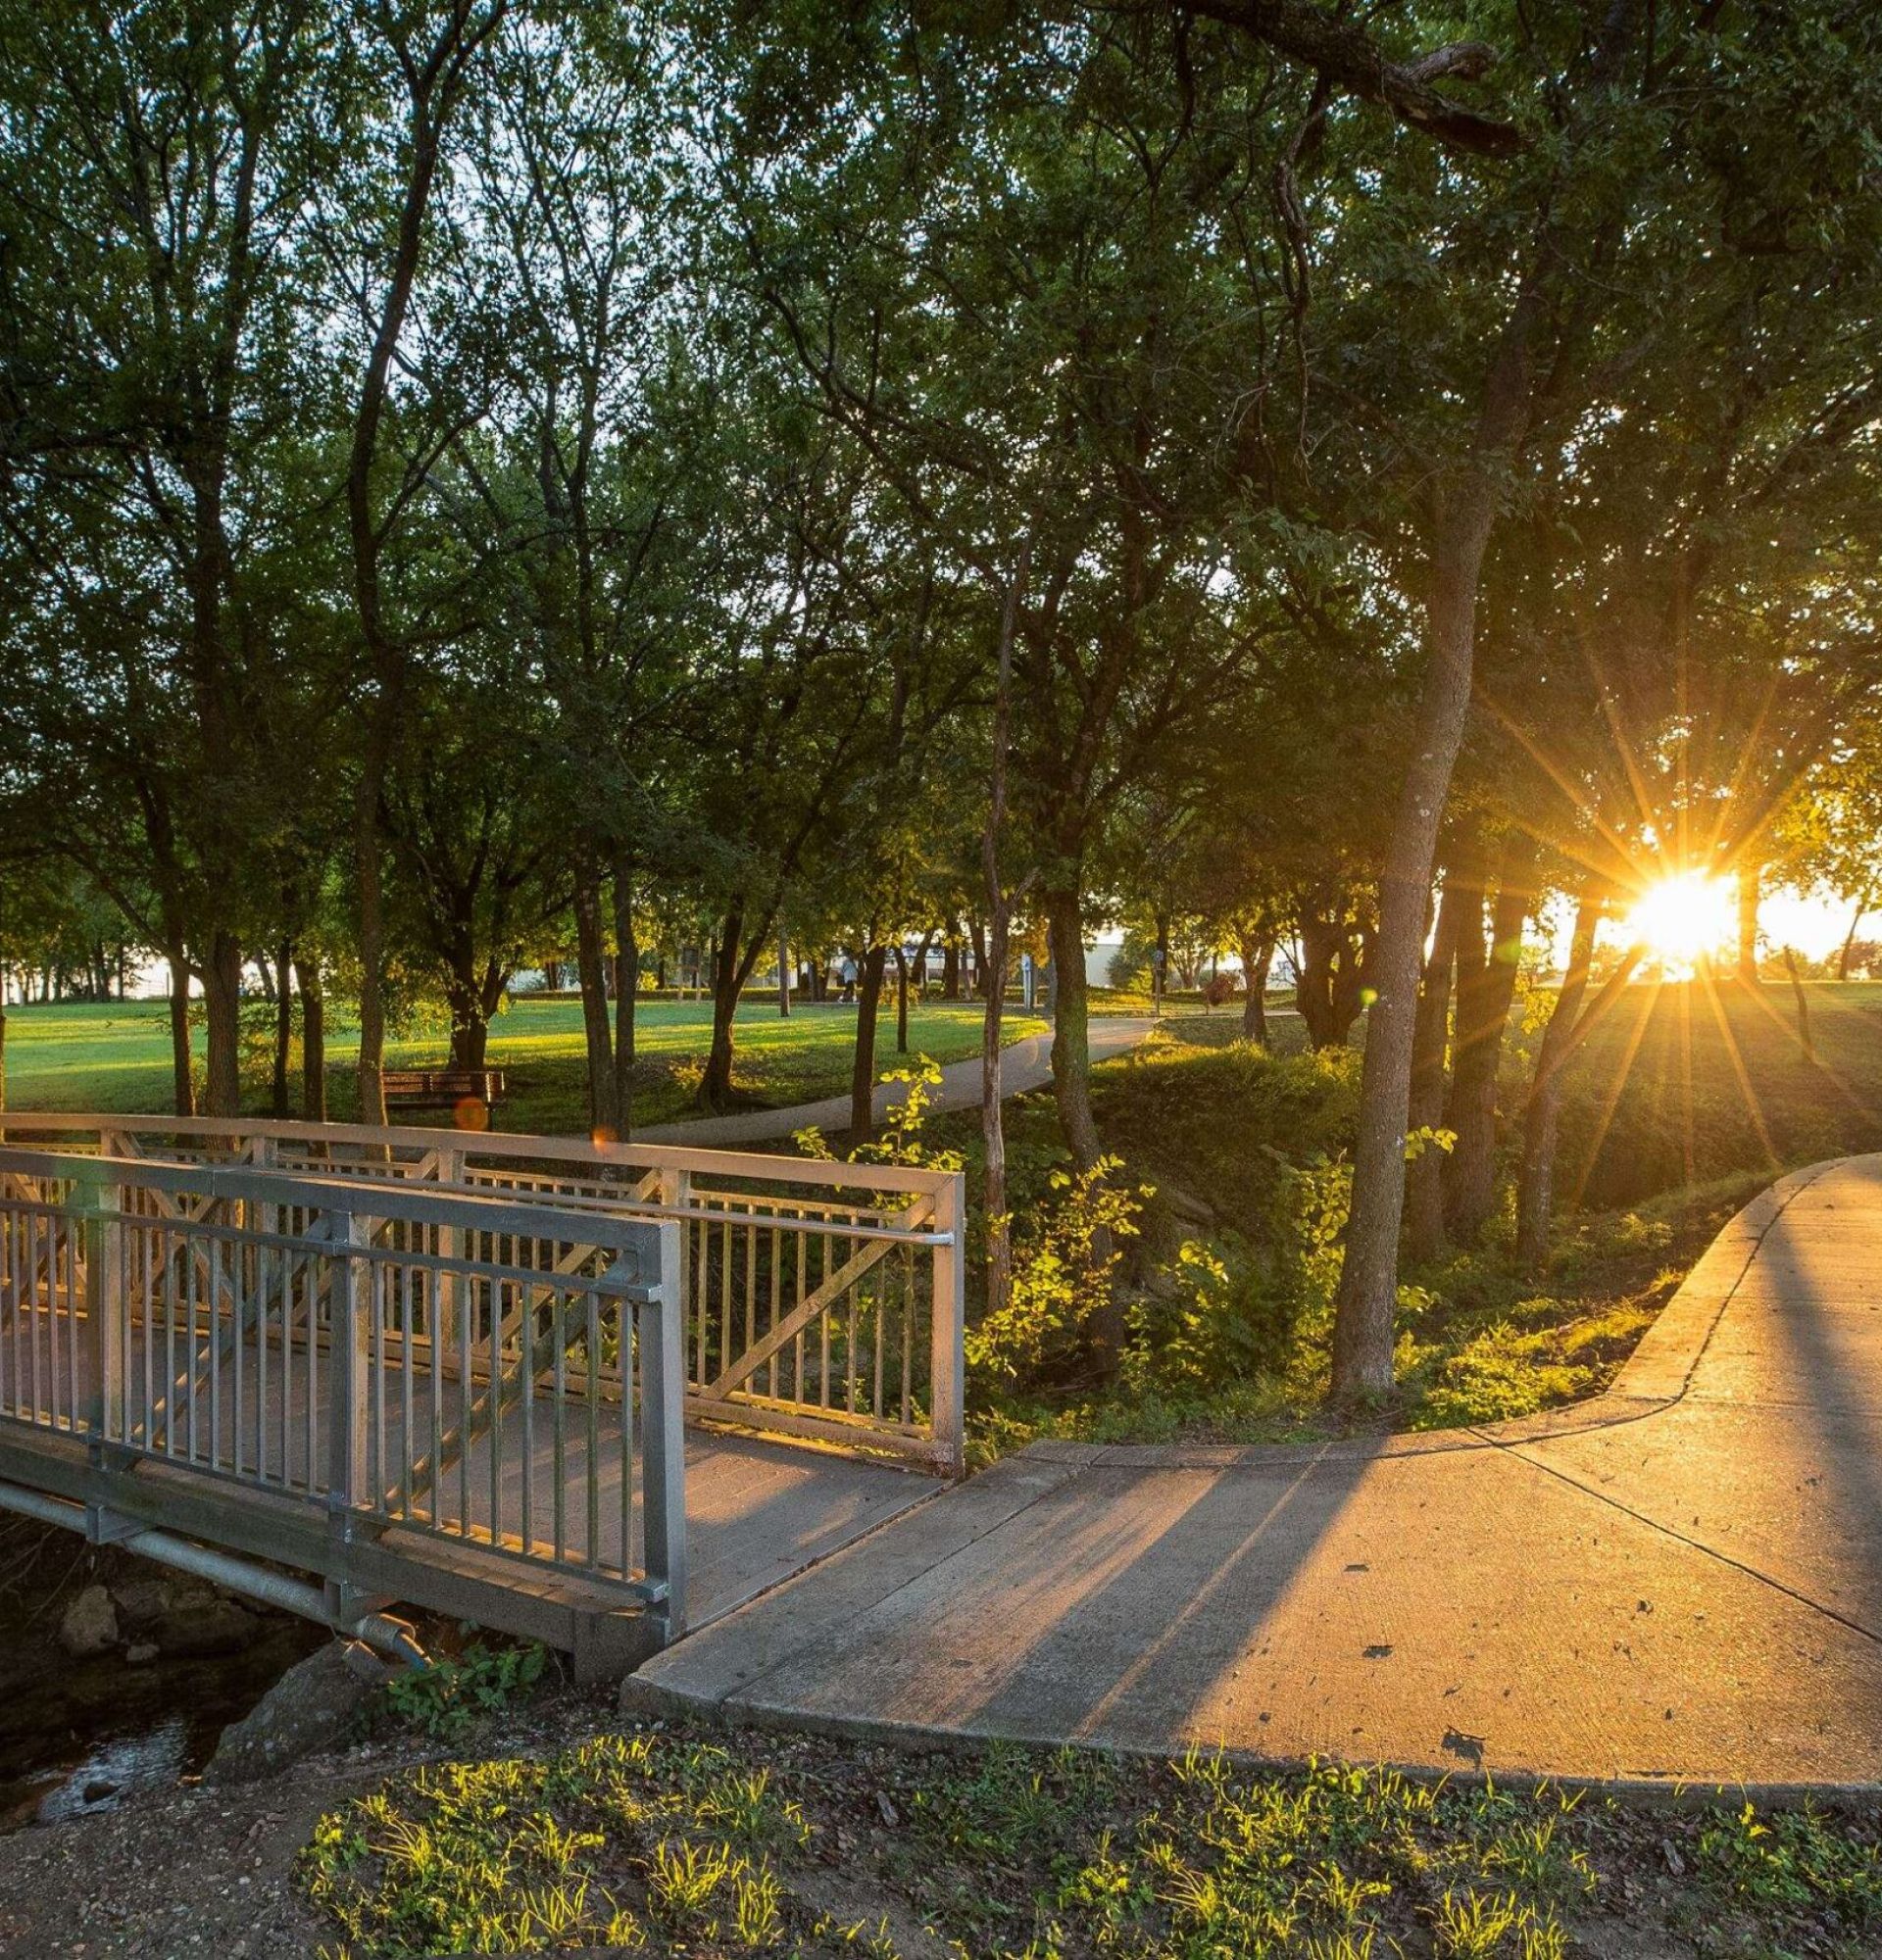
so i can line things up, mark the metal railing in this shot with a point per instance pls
(503, 1373)
(822, 1301)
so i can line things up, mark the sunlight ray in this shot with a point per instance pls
(1752, 1108)
(1622, 1074)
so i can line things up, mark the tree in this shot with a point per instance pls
(158, 170)
(420, 63)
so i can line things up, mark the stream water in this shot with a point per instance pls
(81, 1735)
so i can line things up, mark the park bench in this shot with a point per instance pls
(441, 1087)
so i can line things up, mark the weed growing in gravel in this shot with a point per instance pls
(445, 1700)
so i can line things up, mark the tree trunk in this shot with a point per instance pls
(1329, 981)
(993, 944)
(1749, 880)
(783, 976)
(307, 975)
(951, 966)
(283, 1028)
(1071, 1027)
(1802, 1005)
(869, 1001)
(183, 1075)
(434, 82)
(1848, 938)
(1536, 1177)
(604, 1116)
(469, 1026)
(366, 872)
(626, 998)
(716, 1085)
(978, 933)
(1486, 990)
(222, 1024)
(1257, 957)
(901, 999)
(1425, 1175)
(1370, 1271)
(1072, 1086)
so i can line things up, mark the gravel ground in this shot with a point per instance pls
(178, 1875)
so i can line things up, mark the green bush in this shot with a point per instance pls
(1065, 1265)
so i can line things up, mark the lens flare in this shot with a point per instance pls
(1684, 919)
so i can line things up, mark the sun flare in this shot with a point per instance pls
(1682, 919)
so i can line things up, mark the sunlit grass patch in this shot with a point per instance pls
(669, 1842)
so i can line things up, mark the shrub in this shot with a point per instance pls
(1064, 1270)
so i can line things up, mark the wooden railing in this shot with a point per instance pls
(502, 1374)
(822, 1301)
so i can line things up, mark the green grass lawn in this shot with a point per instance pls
(114, 1056)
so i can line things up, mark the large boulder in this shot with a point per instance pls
(316, 1704)
(90, 1624)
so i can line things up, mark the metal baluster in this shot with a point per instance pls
(496, 1413)
(463, 1292)
(381, 1279)
(216, 1370)
(797, 1343)
(823, 1334)
(908, 1332)
(147, 1236)
(72, 1328)
(32, 1294)
(527, 1326)
(189, 1312)
(435, 1321)
(748, 1235)
(559, 1391)
(594, 1429)
(405, 1388)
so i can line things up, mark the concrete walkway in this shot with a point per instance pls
(1027, 1064)
(1679, 1581)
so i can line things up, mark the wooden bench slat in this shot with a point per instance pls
(442, 1085)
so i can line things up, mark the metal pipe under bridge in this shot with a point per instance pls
(585, 1394)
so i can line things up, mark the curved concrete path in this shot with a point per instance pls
(1678, 1582)
(1027, 1064)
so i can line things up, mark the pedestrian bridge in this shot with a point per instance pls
(587, 1394)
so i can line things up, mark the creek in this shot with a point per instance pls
(79, 1733)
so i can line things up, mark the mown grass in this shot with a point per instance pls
(114, 1056)
(681, 1842)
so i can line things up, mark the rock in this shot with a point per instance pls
(186, 1617)
(141, 1600)
(90, 1624)
(205, 1624)
(140, 1651)
(315, 1704)
(96, 1790)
